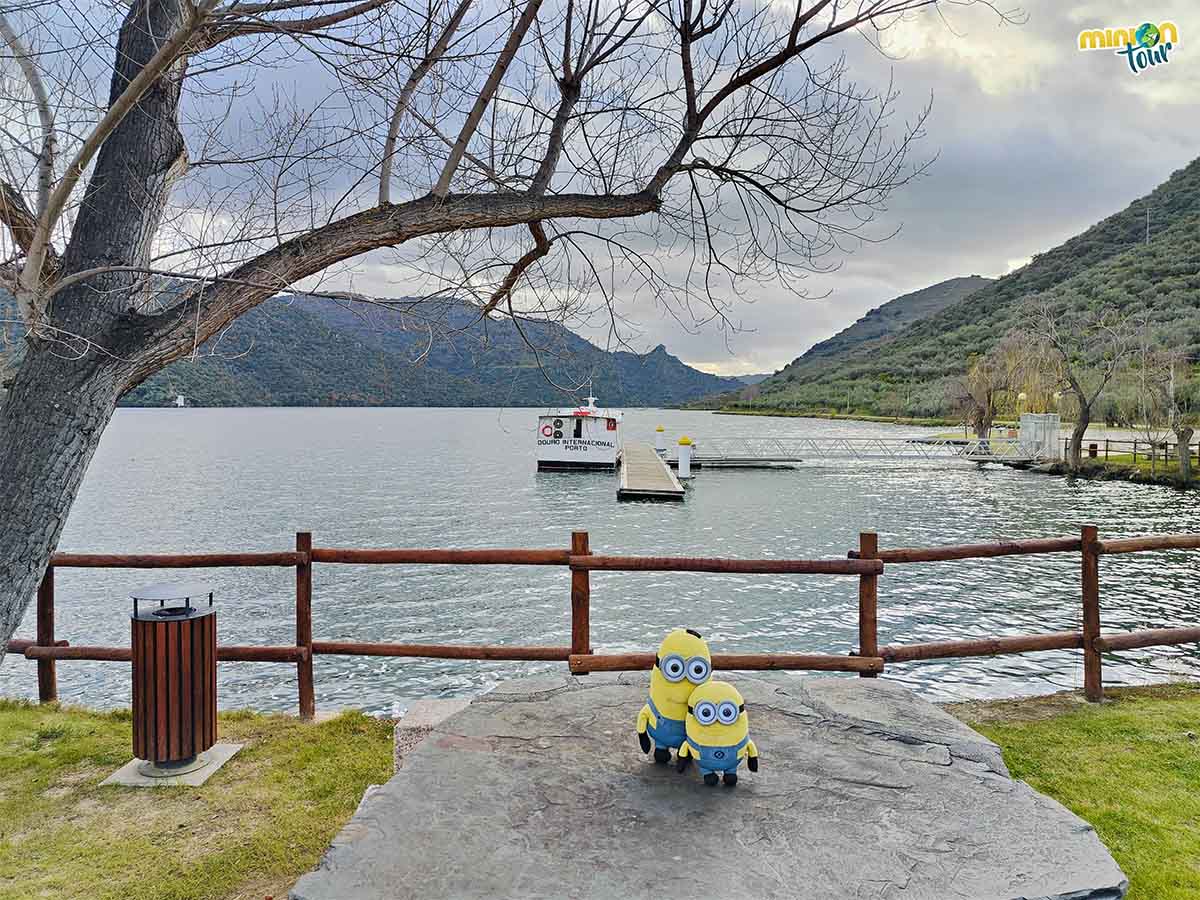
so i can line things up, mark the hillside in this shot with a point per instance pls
(886, 320)
(308, 351)
(280, 355)
(903, 373)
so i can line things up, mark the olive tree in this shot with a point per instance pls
(167, 165)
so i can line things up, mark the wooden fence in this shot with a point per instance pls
(1164, 451)
(867, 564)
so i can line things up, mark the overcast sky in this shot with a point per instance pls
(1035, 142)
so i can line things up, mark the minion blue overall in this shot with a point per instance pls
(717, 733)
(682, 662)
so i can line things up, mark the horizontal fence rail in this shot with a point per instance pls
(975, 551)
(173, 560)
(866, 563)
(442, 557)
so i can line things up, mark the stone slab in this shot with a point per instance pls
(539, 790)
(129, 776)
(417, 721)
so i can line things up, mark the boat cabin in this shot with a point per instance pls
(585, 437)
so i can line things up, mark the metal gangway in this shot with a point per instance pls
(765, 452)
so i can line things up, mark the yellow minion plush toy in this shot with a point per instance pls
(717, 733)
(682, 663)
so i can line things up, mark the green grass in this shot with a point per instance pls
(258, 824)
(1130, 767)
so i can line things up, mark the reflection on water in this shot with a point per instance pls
(209, 480)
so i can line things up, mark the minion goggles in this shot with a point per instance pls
(675, 668)
(707, 712)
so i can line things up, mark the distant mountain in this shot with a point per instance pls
(310, 351)
(279, 354)
(752, 379)
(902, 372)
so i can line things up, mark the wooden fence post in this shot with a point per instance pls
(304, 639)
(581, 597)
(47, 673)
(868, 601)
(1093, 686)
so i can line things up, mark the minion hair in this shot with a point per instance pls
(694, 633)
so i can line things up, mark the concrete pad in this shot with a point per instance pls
(865, 792)
(129, 776)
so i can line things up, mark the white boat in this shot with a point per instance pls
(585, 437)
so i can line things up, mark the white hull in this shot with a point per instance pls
(584, 438)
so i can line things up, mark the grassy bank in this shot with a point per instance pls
(259, 823)
(1130, 767)
(1123, 469)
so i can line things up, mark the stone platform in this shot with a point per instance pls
(865, 792)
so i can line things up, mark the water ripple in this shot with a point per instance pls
(161, 481)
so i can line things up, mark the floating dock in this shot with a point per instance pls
(646, 476)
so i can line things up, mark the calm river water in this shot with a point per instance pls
(220, 480)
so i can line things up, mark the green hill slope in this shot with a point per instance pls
(280, 355)
(885, 321)
(903, 373)
(307, 351)
(515, 363)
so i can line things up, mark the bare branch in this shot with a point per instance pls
(252, 23)
(410, 87)
(45, 113)
(442, 188)
(168, 55)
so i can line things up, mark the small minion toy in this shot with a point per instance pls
(682, 663)
(718, 733)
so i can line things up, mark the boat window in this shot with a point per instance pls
(579, 428)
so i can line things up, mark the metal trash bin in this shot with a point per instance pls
(174, 641)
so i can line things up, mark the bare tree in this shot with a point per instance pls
(552, 156)
(1083, 350)
(991, 380)
(1164, 397)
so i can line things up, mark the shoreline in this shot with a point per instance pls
(830, 416)
(1101, 471)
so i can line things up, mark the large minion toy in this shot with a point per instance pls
(718, 733)
(682, 663)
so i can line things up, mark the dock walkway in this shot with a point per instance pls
(646, 476)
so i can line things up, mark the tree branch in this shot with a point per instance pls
(166, 56)
(45, 114)
(252, 22)
(406, 94)
(204, 312)
(442, 188)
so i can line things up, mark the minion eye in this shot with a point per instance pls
(727, 713)
(672, 668)
(697, 670)
(706, 713)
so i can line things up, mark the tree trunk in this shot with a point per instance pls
(50, 425)
(1183, 440)
(66, 389)
(1075, 451)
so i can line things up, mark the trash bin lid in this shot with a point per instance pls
(172, 590)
